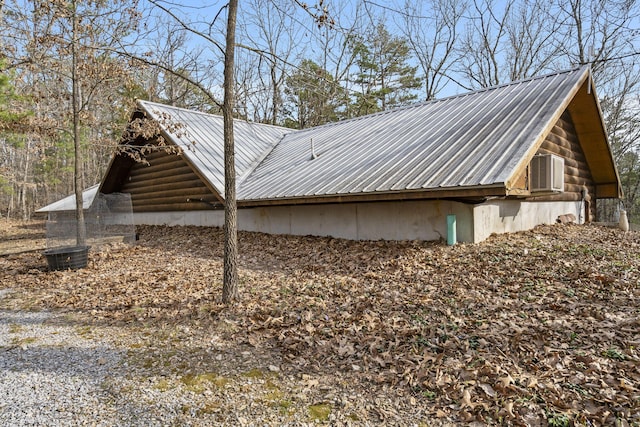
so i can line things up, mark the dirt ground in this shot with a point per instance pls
(533, 328)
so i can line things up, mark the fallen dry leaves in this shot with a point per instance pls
(21, 236)
(531, 328)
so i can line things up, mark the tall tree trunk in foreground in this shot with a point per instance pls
(81, 237)
(230, 283)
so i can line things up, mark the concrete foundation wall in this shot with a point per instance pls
(507, 216)
(408, 220)
(402, 220)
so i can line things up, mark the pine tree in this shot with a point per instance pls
(385, 78)
(314, 97)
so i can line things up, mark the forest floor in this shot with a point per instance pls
(19, 236)
(532, 328)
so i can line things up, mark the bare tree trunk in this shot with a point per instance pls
(230, 283)
(10, 207)
(25, 181)
(275, 94)
(81, 232)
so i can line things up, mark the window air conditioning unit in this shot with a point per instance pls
(547, 173)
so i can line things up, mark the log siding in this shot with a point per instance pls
(167, 183)
(563, 141)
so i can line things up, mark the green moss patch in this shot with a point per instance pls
(320, 412)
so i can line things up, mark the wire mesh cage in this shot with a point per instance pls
(108, 221)
(608, 210)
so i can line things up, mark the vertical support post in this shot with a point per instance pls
(451, 230)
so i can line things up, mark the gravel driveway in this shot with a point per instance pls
(57, 372)
(50, 374)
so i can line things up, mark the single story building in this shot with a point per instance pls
(501, 159)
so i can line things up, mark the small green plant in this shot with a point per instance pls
(557, 420)
(421, 318)
(206, 309)
(320, 412)
(422, 341)
(478, 361)
(285, 291)
(275, 399)
(149, 363)
(474, 343)
(137, 310)
(581, 365)
(429, 394)
(577, 388)
(285, 407)
(614, 353)
(270, 385)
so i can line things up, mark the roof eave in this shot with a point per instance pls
(218, 193)
(466, 192)
(582, 95)
(526, 159)
(600, 159)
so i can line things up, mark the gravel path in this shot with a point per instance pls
(57, 371)
(50, 374)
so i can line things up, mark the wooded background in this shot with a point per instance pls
(353, 58)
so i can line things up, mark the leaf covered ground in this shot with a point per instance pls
(532, 328)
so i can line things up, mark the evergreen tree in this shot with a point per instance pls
(10, 117)
(385, 78)
(314, 96)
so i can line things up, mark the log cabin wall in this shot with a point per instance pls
(563, 141)
(167, 183)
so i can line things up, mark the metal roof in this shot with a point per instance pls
(470, 140)
(473, 140)
(200, 136)
(69, 203)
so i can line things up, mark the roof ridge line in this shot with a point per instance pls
(446, 98)
(258, 161)
(187, 110)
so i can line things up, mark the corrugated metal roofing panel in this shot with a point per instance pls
(69, 203)
(476, 139)
(201, 137)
